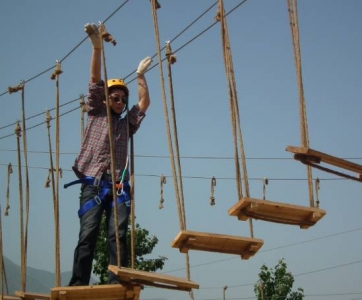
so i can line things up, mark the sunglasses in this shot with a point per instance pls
(117, 99)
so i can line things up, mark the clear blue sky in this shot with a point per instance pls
(325, 259)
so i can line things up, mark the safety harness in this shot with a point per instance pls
(123, 195)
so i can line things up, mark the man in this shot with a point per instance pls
(93, 164)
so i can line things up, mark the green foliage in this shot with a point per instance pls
(276, 284)
(144, 244)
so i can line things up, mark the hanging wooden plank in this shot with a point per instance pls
(31, 296)
(276, 212)
(314, 158)
(8, 297)
(220, 243)
(153, 279)
(97, 292)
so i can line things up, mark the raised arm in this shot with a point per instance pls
(143, 94)
(95, 64)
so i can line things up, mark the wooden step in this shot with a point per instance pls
(97, 292)
(315, 158)
(220, 243)
(8, 297)
(153, 279)
(31, 296)
(276, 212)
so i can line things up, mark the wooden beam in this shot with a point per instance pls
(276, 212)
(153, 279)
(221, 243)
(315, 156)
(97, 292)
(31, 296)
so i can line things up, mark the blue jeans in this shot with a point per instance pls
(88, 233)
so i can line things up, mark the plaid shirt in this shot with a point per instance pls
(94, 157)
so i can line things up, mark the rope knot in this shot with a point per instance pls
(18, 129)
(107, 37)
(213, 184)
(57, 70)
(169, 54)
(156, 4)
(19, 87)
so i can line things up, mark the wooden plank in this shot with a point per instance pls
(276, 212)
(8, 297)
(99, 292)
(31, 296)
(317, 156)
(220, 243)
(153, 279)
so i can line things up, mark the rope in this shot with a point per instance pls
(293, 17)
(265, 183)
(162, 182)
(213, 184)
(171, 59)
(55, 76)
(7, 207)
(21, 209)
(111, 148)
(317, 188)
(234, 109)
(48, 118)
(133, 206)
(177, 176)
(83, 110)
(27, 188)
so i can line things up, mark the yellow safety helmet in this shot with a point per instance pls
(112, 83)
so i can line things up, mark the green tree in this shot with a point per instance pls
(276, 284)
(144, 244)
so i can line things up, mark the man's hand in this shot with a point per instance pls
(143, 66)
(94, 36)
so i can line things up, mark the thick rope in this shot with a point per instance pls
(171, 59)
(133, 206)
(55, 76)
(48, 118)
(83, 110)
(21, 209)
(177, 176)
(111, 148)
(293, 17)
(7, 207)
(167, 122)
(27, 186)
(234, 109)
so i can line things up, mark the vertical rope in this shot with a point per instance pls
(7, 207)
(111, 148)
(213, 184)
(83, 110)
(293, 17)
(55, 76)
(177, 175)
(27, 187)
(234, 109)
(133, 206)
(163, 181)
(21, 208)
(48, 118)
(154, 5)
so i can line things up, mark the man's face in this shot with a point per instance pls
(117, 100)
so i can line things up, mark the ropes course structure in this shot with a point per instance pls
(247, 208)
